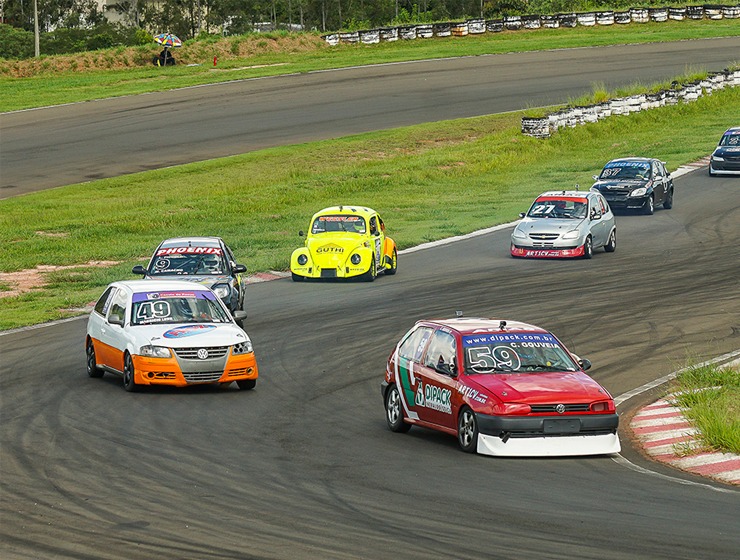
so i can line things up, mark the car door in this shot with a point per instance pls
(377, 237)
(112, 336)
(434, 393)
(406, 368)
(598, 225)
(659, 180)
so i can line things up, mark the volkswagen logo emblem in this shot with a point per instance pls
(559, 408)
(203, 354)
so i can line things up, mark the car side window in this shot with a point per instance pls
(413, 346)
(656, 170)
(118, 306)
(595, 208)
(101, 307)
(373, 225)
(441, 352)
(603, 204)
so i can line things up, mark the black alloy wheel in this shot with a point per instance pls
(92, 363)
(649, 207)
(129, 379)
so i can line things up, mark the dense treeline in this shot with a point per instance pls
(77, 25)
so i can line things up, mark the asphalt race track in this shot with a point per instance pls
(74, 143)
(304, 467)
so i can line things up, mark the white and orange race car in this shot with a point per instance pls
(173, 333)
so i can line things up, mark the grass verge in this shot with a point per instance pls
(65, 79)
(710, 397)
(429, 182)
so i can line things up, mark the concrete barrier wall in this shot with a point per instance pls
(534, 21)
(544, 127)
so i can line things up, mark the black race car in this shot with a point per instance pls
(726, 158)
(205, 260)
(635, 183)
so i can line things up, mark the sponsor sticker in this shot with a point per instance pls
(189, 330)
(523, 340)
(189, 251)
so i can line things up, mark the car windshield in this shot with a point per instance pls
(515, 353)
(639, 170)
(338, 222)
(732, 139)
(176, 307)
(188, 261)
(559, 207)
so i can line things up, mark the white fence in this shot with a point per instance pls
(544, 127)
(513, 23)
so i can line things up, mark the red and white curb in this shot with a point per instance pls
(667, 436)
(266, 276)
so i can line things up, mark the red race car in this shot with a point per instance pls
(502, 387)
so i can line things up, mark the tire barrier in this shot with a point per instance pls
(533, 22)
(544, 127)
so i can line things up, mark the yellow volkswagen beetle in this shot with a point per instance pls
(345, 242)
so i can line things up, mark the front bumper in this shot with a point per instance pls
(546, 253)
(167, 371)
(329, 272)
(627, 202)
(725, 167)
(584, 434)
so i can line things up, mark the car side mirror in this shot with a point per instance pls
(596, 177)
(239, 315)
(595, 215)
(585, 364)
(115, 320)
(239, 268)
(522, 214)
(443, 368)
(138, 269)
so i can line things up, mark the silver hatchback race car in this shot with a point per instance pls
(563, 224)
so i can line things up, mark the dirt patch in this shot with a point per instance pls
(25, 281)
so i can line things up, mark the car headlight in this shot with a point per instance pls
(642, 191)
(242, 348)
(519, 234)
(155, 351)
(572, 234)
(355, 258)
(717, 158)
(302, 259)
(222, 290)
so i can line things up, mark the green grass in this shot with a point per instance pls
(51, 88)
(710, 397)
(429, 181)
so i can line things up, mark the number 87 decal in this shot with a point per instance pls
(484, 359)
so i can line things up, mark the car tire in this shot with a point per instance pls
(649, 208)
(467, 430)
(588, 248)
(394, 411)
(129, 374)
(92, 364)
(668, 202)
(394, 264)
(611, 245)
(296, 277)
(246, 384)
(370, 275)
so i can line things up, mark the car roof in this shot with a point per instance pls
(158, 285)
(359, 210)
(568, 194)
(197, 241)
(479, 325)
(641, 159)
(732, 130)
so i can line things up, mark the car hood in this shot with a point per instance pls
(722, 151)
(541, 388)
(623, 184)
(548, 225)
(204, 280)
(187, 335)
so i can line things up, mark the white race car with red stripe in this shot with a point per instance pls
(173, 333)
